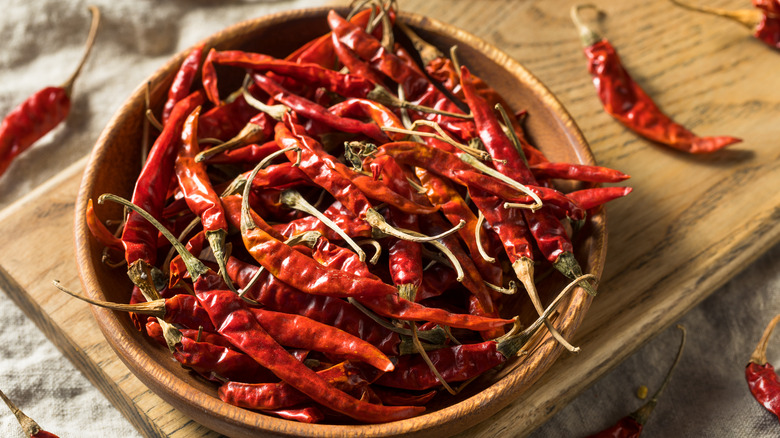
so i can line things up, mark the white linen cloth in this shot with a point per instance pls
(42, 42)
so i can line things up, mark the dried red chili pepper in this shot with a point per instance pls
(764, 21)
(29, 426)
(624, 100)
(41, 112)
(344, 376)
(631, 426)
(151, 187)
(200, 196)
(761, 376)
(578, 172)
(590, 198)
(235, 321)
(183, 80)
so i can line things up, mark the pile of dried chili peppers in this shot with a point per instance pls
(335, 238)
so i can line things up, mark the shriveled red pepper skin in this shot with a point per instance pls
(279, 176)
(183, 80)
(230, 314)
(578, 172)
(139, 236)
(624, 100)
(344, 376)
(226, 121)
(31, 120)
(764, 385)
(184, 309)
(195, 182)
(309, 414)
(248, 155)
(300, 332)
(455, 364)
(350, 224)
(626, 427)
(590, 198)
(768, 31)
(771, 8)
(278, 296)
(380, 114)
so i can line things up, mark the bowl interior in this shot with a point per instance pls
(116, 161)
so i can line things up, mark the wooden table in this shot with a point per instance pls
(690, 225)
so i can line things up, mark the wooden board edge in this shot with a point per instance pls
(78, 357)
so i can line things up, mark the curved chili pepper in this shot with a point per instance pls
(590, 198)
(183, 80)
(344, 376)
(578, 172)
(631, 426)
(309, 414)
(99, 231)
(29, 426)
(761, 376)
(139, 237)
(625, 100)
(316, 112)
(380, 114)
(320, 50)
(41, 112)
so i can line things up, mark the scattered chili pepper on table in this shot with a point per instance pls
(628, 103)
(761, 376)
(300, 322)
(631, 426)
(29, 426)
(41, 112)
(764, 21)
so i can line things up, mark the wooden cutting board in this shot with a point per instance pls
(691, 224)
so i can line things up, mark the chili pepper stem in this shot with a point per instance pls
(195, 267)
(248, 133)
(759, 354)
(154, 308)
(377, 221)
(276, 112)
(512, 346)
(377, 249)
(428, 361)
(381, 95)
(478, 239)
(216, 240)
(407, 291)
(567, 265)
(140, 272)
(524, 269)
(246, 218)
(29, 426)
(468, 159)
(294, 200)
(511, 290)
(588, 36)
(642, 414)
(428, 52)
(510, 132)
(93, 28)
(436, 336)
(749, 18)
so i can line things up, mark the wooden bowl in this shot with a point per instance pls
(115, 164)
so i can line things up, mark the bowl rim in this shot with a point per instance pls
(233, 419)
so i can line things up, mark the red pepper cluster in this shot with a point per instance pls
(280, 189)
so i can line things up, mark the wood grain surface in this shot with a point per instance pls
(691, 224)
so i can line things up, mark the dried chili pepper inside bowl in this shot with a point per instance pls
(346, 197)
